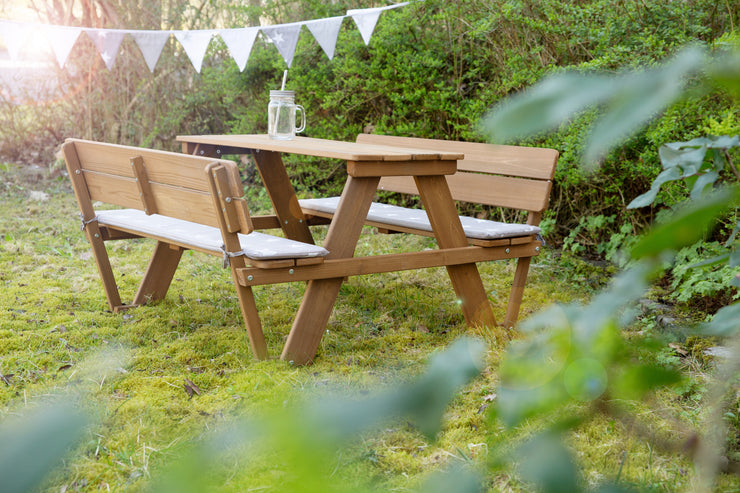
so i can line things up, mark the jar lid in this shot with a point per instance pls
(282, 94)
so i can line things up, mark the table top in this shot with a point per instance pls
(348, 151)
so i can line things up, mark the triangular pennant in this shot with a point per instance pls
(325, 31)
(108, 41)
(240, 43)
(14, 35)
(62, 39)
(285, 38)
(366, 19)
(195, 44)
(151, 44)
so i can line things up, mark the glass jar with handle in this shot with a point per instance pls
(281, 115)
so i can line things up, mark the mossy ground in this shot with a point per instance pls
(129, 370)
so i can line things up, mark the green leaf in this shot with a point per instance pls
(34, 445)
(647, 198)
(702, 182)
(683, 155)
(549, 465)
(687, 226)
(546, 105)
(636, 381)
(639, 98)
(457, 479)
(423, 401)
(725, 322)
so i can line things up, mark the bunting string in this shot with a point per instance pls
(195, 43)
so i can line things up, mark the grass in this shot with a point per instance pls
(130, 370)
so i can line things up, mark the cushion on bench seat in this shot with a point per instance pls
(255, 245)
(393, 215)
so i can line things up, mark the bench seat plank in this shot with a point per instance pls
(255, 245)
(393, 215)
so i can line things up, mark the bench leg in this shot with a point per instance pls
(94, 236)
(466, 281)
(251, 319)
(159, 273)
(517, 291)
(318, 300)
(250, 315)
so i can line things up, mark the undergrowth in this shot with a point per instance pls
(182, 369)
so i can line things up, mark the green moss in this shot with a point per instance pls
(56, 326)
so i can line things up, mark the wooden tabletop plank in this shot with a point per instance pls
(348, 151)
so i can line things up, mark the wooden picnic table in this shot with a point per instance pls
(366, 164)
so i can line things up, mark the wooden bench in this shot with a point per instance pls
(511, 177)
(182, 202)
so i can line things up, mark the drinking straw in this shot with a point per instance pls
(280, 103)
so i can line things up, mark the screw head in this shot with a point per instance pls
(291, 272)
(508, 250)
(250, 278)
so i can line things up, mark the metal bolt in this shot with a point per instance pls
(250, 278)
(508, 250)
(228, 200)
(77, 172)
(300, 220)
(291, 272)
(537, 249)
(286, 221)
(97, 235)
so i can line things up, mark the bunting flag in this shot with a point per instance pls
(62, 39)
(285, 39)
(239, 41)
(326, 31)
(15, 35)
(195, 44)
(151, 44)
(366, 19)
(107, 41)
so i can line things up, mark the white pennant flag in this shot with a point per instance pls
(62, 39)
(325, 31)
(14, 35)
(366, 19)
(240, 43)
(151, 44)
(285, 38)
(195, 44)
(108, 41)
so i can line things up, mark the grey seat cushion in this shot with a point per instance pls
(255, 245)
(393, 215)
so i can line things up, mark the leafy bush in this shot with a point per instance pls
(431, 70)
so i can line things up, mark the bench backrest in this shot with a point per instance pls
(157, 182)
(497, 175)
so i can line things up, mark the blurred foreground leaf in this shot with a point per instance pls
(629, 102)
(30, 447)
(301, 445)
(688, 225)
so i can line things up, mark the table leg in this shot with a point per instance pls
(318, 300)
(466, 281)
(282, 194)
